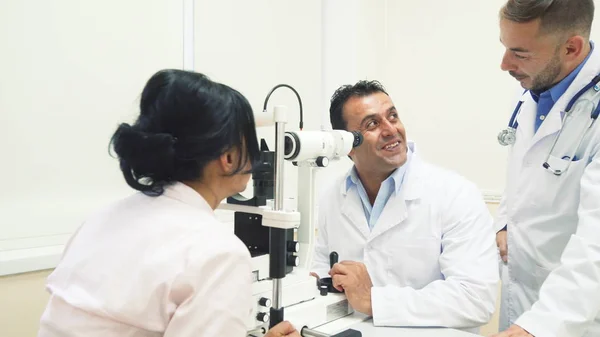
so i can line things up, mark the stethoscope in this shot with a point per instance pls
(557, 164)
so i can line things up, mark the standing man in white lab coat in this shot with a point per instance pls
(548, 224)
(415, 241)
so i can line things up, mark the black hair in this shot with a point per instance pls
(186, 121)
(343, 94)
(556, 16)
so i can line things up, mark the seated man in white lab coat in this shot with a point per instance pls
(415, 242)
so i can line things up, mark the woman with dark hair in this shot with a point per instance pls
(159, 263)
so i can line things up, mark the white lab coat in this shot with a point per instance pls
(151, 266)
(551, 285)
(431, 255)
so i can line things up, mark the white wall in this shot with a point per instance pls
(71, 71)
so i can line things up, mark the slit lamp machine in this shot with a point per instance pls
(281, 240)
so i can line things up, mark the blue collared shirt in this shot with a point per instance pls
(546, 99)
(389, 186)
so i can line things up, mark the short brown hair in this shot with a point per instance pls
(556, 16)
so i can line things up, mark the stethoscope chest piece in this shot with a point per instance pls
(507, 136)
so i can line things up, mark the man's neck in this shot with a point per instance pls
(371, 181)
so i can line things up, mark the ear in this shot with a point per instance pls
(575, 46)
(226, 162)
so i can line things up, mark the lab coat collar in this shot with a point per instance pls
(412, 186)
(182, 192)
(397, 176)
(395, 210)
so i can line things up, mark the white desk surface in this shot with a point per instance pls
(365, 325)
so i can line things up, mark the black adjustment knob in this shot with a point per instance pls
(293, 261)
(293, 246)
(333, 259)
(323, 290)
(322, 161)
(262, 317)
(265, 302)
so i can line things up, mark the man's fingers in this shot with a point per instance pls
(314, 275)
(505, 333)
(502, 245)
(513, 331)
(284, 328)
(349, 263)
(503, 251)
(339, 269)
(338, 281)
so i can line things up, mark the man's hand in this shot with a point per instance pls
(353, 279)
(514, 331)
(283, 329)
(502, 244)
(314, 275)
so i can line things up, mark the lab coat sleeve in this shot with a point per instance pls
(320, 264)
(221, 296)
(569, 298)
(466, 297)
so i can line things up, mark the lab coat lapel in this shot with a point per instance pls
(353, 210)
(393, 214)
(551, 124)
(395, 211)
(553, 121)
(526, 118)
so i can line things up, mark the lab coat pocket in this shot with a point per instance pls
(558, 188)
(582, 153)
(414, 262)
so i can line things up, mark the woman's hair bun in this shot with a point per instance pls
(149, 157)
